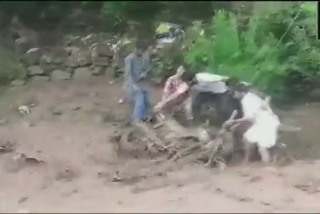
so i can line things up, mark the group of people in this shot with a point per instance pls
(177, 93)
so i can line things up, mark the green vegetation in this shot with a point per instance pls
(274, 45)
(277, 51)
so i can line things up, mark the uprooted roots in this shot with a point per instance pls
(171, 146)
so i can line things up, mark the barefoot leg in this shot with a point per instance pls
(265, 156)
(246, 149)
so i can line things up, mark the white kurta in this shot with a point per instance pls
(264, 130)
(210, 83)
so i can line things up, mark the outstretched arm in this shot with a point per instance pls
(166, 89)
(130, 77)
(183, 88)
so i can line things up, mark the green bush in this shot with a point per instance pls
(10, 68)
(277, 52)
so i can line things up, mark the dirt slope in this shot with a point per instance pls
(66, 131)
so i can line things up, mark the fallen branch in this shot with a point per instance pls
(218, 141)
(181, 148)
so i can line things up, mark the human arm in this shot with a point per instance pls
(182, 89)
(166, 89)
(130, 76)
(147, 65)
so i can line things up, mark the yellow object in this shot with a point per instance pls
(163, 28)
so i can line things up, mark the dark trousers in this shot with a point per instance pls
(224, 104)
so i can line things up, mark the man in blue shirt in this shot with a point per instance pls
(137, 65)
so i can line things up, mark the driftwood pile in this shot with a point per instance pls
(172, 146)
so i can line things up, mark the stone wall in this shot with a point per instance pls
(74, 58)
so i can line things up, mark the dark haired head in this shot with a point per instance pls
(232, 81)
(187, 77)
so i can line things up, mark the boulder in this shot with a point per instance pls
(40, 78)
(46, 59)
(48, 68)
(35, 70)
(101, 61)
(81, 57)
(60, 75)
(59, 55)
(18, 82)
(71, 61)
(84, 60)
(97, 71)
(32, 56)
(82, 73)
(69, 70)
(101, 49)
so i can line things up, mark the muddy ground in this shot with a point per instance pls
(68, 133)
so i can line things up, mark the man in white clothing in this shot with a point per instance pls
(265, 124)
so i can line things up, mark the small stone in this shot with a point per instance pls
(18, 82)
(75, 108)
(55, 111)
(22, 199)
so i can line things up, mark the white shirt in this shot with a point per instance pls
(210, 83)
(264, 130)
(251, 104)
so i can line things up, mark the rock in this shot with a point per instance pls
(75, 107)
(48, 68)
(101, 49)
(40, 78)
(97, 71)
(69, 70)
(35, 70)
(101, 61)
(59, 55)
(71, 62)
(18, 82)
(23, 199)
(22, 46)
(60, 75)
(55, 111)
(46, 59)
(32, 56)
(71, 50)
(84, 61)
(82, 73)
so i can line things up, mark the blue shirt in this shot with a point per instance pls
(135, 68)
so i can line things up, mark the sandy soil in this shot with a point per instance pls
(68, 131)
